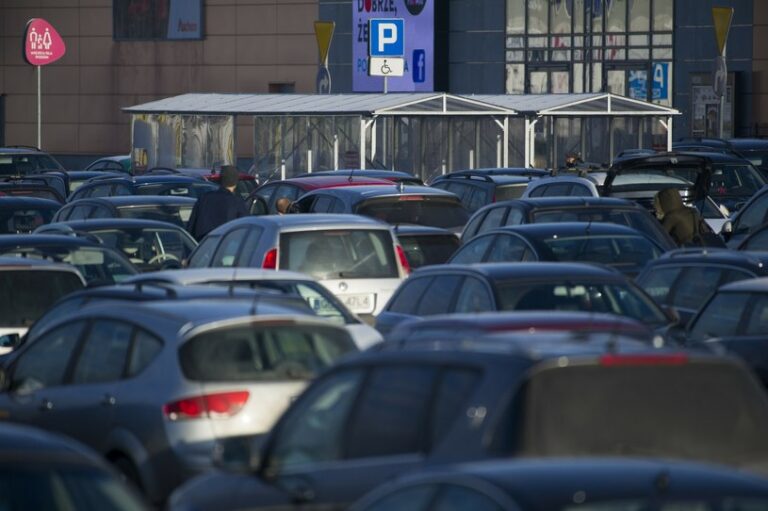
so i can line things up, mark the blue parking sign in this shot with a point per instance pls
(660, 85)
(386, 37)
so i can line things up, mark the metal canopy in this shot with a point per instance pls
(575, 104)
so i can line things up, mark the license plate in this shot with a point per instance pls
(362, 303)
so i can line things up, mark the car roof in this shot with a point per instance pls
(318, 182)
(389, 190)
(16, 201)
(39, 240)
(140, 200)
(87, 174)
(360, 173)
(491, 177)
(197, 275)
(749, 143)
(757, 261)
(568, 229)
(21, 150)
(757, 285)
(113, 223)
(529, 271)
(557, 202)
(718, 156)
(316, 221)
(144, 179)
(413, 229)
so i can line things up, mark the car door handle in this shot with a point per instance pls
(109, 400)
(46, 405)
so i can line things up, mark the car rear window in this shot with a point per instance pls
(178, 215)
(342, 253)
(24, 220)
(416, 209)
(620, 251)
(506, 192)
(27, 295)
(673, 408)
(263, 352)
(637, 219)
(426, 250)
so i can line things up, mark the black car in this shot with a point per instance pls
(175, 185)
(149, 244)
(476, 188)
(165, 208)
(684, 279)
(384, 413)
(426, 245)
(618, 246)
(19, 215)
(40, 470)
(551, 484)
(753, 149)
(97, 263)
(51, 186)
(456, 288)
(568, 209)
(393, 204)
(23, 160)
(395, 176)
(748, 219)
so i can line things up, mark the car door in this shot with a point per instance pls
(289, 191)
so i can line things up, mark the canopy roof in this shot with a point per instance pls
(403, 104)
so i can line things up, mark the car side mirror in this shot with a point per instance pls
(672, 314)
(259, 207)
(726, 230)
(9, 342)
(240, 454)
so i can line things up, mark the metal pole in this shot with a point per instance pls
(282, 169)
(39, 111)
(362, 141)
(722, 101)
(335, 151)
(669, 133)
(385, 85)
(527, 142)
(309, 161)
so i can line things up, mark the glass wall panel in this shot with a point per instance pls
(596, 142)
(515, 16)
(597, 15)
(560, 82)
(539, 82)
(616, 16)
(538, 11)
(560, 17)
(662, 15)
(597, 77)
(515, 78)
(516, 142)
(578, 77)
(578, 16)
(567, 139)
(639, 15)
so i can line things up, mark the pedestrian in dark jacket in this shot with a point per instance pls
(680, 221)
(215, 208)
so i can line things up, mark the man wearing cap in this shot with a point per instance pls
(215, 208)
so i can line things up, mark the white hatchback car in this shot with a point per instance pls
(357, 258)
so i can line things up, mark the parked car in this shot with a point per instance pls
(426, 245)
(618, 246)
(356, 258)
(755, 150)
(120, 163)
(149, 244)
(109, 186)
(684, 279)
(755, 242)
(22, 160)
(20, 215)
(40, 470)
(472, 289)
(45, 186)
(735, 319)
(318, 297)
(263, 200)
(77, 178)
(401, 204)
(476, 188)
(28, 287)
(470, 326)
(566, 484)
(175, 210)
(747, 220)
(568, 209)
(99, 265)
(154, 385)
(395, 176)
(576, 185)
(382, 414)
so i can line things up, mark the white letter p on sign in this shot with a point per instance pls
(387, 34)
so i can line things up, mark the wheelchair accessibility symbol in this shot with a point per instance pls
(385, 69)
(386, 66)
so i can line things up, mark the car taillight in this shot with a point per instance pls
(270, 260)
(215, 406)
(674, 359)
(403, 260)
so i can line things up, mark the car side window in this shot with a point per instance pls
(473, 251)
(478, 199)
(409, 296)
(290, 192)
(266, 191)
(121, 189)
(143, 351)
(507, 248)
(229, 248)
(104, 353)
(456, 387)
(203, 254)
(474, 224)
(100, 212)
(695, 286)
(757, 320)
(100, 191)
(390, 416)
(752, 216)
(249, 246)
(79, 212)
(538, 191)
(439, 296)
(493, 219)
(658, 282)
(313, 430)
(579, 190)
(474, 296)
(515, 217)
(322, 204)
(337, 206)
(45, 363)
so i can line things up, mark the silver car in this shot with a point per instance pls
(355, 257)
(153, 385)
(320, 299)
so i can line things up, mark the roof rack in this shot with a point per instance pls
(162, 171)
(695, 250)
(163, 286)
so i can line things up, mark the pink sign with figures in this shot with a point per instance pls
(42, 44)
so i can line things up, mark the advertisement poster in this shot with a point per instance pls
(419, 17)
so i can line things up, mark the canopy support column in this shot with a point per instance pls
(668, 126)
(363, 129)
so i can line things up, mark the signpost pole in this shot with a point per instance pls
(385, 85)
(39, 110)
(722, 103)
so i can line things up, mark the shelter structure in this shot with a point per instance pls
(424, 133)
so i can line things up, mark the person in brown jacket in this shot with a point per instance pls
(680, 221)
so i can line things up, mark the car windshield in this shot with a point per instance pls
(22, 164)
(705, 411)
(735, 181)
(621, 299)
(98, 266)
(415, 209)
(23, 220)
(759, 158)
(426, 250)
(643, 175)
(172, 213)
(182, 190)
(72, 486)
(25, 295)
(263, 352)
(621, 251)
(721, 317)
(149, 248)
(335, 254)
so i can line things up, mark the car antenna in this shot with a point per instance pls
(351, 175)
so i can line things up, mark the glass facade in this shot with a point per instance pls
(619, 46)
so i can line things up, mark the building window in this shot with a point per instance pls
(151, 20)
(590, 46)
